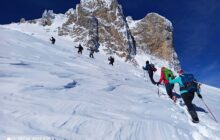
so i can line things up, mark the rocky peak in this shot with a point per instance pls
(95, 4)
(154, 35)
(47, 18)
(101, 23)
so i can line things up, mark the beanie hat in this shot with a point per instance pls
(180, 71)
(147, 62)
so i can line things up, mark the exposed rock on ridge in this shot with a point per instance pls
(101, 23)
(154, 35)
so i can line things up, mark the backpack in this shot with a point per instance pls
(152, 67)
(189, 82)
(168, 72)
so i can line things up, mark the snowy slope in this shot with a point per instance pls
(50, 90)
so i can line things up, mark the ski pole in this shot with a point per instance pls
(145, 77)
(209, 110)
(158, 92)
(146, 72)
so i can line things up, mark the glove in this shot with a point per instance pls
(169, 75)
(200, 96)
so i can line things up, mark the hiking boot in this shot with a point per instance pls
(195, 120)
(194, 116)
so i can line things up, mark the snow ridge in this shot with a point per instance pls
(50, 90)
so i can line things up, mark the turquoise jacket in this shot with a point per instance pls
(179, 81)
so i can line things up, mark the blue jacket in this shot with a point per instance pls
(179, 81)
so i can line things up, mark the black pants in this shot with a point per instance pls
(187, 98)
(111, 63)
(91, 55)
(79, 52)
(151, 74)
(169, 89)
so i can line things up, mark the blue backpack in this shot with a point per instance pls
(189, 82)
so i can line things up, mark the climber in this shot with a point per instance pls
(53, 40)
(80, 49)
(188, 87)
(164, 76)
(111, 60)
(151, 69)
(91, 52)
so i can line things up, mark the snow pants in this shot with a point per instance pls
(151, 73)
(187, 98)
(169, 90)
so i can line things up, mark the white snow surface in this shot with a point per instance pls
(50, 90)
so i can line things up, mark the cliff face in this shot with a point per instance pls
(154, 35)
(101, 23)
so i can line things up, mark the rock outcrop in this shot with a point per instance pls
(47, 18)
(101, 23)
(154, 35)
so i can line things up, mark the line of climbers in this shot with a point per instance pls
(91, 54)
(187, 83)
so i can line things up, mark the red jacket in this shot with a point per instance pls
(162, 77)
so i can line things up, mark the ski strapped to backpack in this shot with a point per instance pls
(167, 72)
(189, 82)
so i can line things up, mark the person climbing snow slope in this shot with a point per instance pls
(150, 68)
(188, 87)
(164, 75)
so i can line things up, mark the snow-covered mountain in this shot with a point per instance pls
(102, 24)
(50, 90)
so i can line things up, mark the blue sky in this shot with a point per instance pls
(196, 27)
